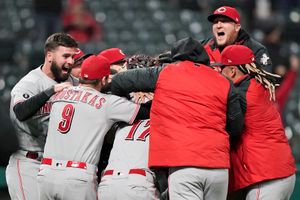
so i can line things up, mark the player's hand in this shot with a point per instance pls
(141, 97)
(294, 62)
(149, 96)
(61, 86)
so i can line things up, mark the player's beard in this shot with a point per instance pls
(57, 72)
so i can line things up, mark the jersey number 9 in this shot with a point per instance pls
(67, 116)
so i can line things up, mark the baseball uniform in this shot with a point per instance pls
(127, 175)
(23, 165)
(79, 119)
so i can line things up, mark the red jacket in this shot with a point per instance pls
(188, 118)
(285, 88)
(262, 153)
(262, 56)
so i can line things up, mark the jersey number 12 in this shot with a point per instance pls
(143, 135)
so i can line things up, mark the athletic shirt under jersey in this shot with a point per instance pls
(32, 132)
(79, 119)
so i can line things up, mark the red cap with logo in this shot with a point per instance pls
(113, 55)
(95, 67)
(237, 55)
(226, 11)
(79, 54)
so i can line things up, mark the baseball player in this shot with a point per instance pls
(135, 61)
(79, 119)
(79, 57)
(262, 162)
(30, 110)
(191, 119)
(116, 58)
(127, 175)
(227, 30)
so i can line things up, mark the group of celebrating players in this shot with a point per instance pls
(199, 121)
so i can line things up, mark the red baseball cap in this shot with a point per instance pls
(113, 55)
(79, 54)
(236, 55)
(226, 11)
(95, 67)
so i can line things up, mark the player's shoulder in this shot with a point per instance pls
(33, 76)
(72, 79)
(30, 81)
(255, 45)
(113, 97)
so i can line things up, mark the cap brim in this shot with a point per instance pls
(83, 57)
(212, 17)
(119, 61)
(217, 65)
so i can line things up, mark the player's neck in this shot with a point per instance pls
(47, 71)
(95, 87)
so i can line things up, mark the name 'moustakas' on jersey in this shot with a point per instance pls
(77, 133)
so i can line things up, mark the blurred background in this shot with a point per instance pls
(148, 27)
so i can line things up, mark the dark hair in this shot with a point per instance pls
(86, 81)
(119, 62)
(142, 61)
(267, 79)
(59, 39)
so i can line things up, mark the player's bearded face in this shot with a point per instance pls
(225, 31)
(60, 73)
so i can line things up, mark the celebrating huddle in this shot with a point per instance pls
(196, 122)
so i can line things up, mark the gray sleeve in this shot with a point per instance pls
(121, 109)
(26, 109)
(23, 91)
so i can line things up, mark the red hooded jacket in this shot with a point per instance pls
(188, 118)
(263, 152)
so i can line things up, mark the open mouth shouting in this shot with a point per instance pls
(65, 69)
(220, 35)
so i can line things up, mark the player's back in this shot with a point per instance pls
(131, 147)
(78, 124)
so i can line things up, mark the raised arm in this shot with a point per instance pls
(135, 80)
(26, 109)
(235, 116)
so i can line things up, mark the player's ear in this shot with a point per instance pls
(49, 56)
(233, 71)
(104, 80)
(237, 27)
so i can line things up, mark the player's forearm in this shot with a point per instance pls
(26, 109)
(234, 115)
(138, 80)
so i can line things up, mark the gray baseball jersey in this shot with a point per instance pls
(21, 171)
(131, 147)
(79, 119)
(127, 175)
(83, 115)
(32, 132)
